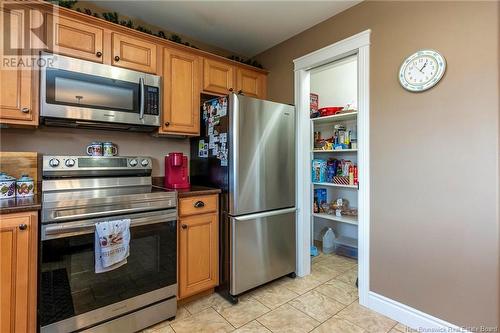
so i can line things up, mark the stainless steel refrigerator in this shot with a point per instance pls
(247, 148)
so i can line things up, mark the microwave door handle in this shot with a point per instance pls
(141, 110)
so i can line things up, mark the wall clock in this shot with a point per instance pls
(422, 70)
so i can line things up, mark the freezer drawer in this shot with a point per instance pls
(262, 248)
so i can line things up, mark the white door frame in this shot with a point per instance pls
(358, 44)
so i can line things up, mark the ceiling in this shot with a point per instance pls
(244, 27)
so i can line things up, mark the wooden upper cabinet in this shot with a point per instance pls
(198, 254)
(251, 83)
(181, 93)
(18, 85)
(75, 38)
(218, 76)
(18, 272)
(133, 53)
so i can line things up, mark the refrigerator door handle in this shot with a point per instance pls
(265, 214)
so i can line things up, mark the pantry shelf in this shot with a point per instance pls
(343, 219)
(335, 117)
(354, 187)
(335, 151)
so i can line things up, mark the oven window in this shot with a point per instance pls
(89, 91)
(69, 286)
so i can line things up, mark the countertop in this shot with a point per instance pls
(193, 191)
(16, 205)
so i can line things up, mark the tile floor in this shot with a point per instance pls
(324, 302)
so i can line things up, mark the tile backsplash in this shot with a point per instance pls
(68, 141)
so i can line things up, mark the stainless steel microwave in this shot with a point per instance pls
(79, 93)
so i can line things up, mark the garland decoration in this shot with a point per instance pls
(114, 17)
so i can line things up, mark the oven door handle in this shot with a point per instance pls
(141, 112)
(69, 229)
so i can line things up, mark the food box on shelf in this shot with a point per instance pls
(318, 171)
(341, 180)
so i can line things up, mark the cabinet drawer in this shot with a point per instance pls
(198, 205)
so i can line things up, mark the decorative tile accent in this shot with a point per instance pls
(252, 327)
(274, 294)
(366, 318)
(287, 319)
(339, 291)
(317, 305)
(206, 321)
(213, 300)
(243, 312)
(337, 325)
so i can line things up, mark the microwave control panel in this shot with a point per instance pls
(152, 100)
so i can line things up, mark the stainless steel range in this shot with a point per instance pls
(77, 192)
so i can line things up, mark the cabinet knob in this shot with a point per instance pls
(98, 54)
(184, 226)
(23, 226)
(117, 58)
(167, 123)
(25, 110)
(199, 204)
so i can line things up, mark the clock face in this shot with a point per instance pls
(422, 70)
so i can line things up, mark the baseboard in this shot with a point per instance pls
(409, 316)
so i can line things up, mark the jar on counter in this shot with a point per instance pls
(25, 186)
(7, 186)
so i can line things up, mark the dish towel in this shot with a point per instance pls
(112, 240)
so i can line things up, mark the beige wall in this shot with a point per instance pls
(64, 141)
(434, 155)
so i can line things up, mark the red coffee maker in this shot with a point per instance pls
(176, 171)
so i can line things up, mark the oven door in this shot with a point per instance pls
(73, 296)
(82, 90)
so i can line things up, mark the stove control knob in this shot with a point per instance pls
(133, 162)
(69, 163)
(54, 162)
(144, 163)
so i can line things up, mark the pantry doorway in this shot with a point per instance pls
(333, 154)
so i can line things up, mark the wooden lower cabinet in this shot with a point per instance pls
(18, 272)
(198, 253)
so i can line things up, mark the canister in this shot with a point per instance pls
(7, 186)
(24, 186)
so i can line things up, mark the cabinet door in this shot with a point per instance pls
(251, 83)
(18, 244)
(133, 53)
(198, 254)
(18, 85)
(75, 38)
(218, 77)
(181, 93)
